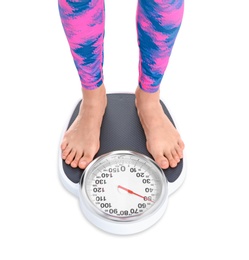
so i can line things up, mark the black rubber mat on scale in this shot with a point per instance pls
(121, 130)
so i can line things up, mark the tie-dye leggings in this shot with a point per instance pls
(158, 22)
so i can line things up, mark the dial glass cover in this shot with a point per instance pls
(123, 186)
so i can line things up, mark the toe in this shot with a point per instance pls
(181, 144)
(175, 156)
(164, 163)
(179, 148)
(161, 161)
(179, 152)
(172, 163)
(64, 145)
(172, 158)
(85, 160)
(76, 160)
(82, 163)
(66, 152)
(70, 157)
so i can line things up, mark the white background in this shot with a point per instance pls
(206, 89)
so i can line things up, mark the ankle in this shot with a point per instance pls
(94, 97)
(146, 99)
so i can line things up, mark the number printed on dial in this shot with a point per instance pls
(124, 186)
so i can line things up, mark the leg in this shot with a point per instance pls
(83, 22)
(158, 22)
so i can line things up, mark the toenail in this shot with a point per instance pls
(83, 164)
(164, 164)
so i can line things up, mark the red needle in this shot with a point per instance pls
(134, 193)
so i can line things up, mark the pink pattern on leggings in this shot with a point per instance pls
(83, 22)
(158, 22)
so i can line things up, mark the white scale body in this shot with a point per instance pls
(122, 191)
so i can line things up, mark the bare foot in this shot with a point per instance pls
(162, 139)
(81, 140)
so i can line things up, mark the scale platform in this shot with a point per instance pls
(121, 130)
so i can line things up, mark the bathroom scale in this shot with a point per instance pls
(122, 191)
